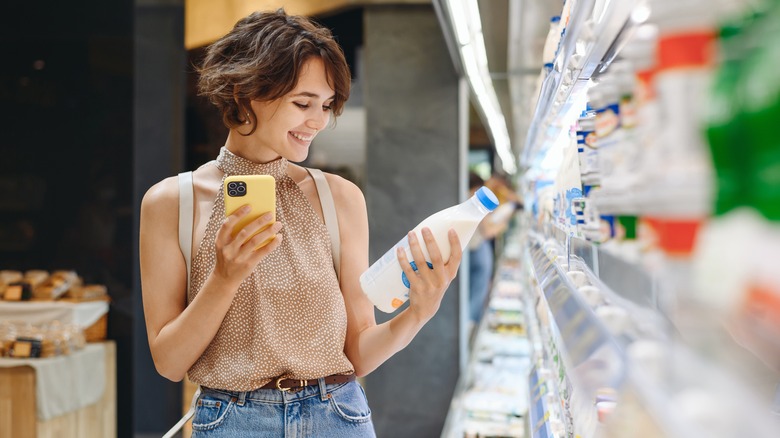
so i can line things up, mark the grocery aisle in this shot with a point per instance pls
(637, 295)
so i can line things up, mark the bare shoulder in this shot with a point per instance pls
(162, 197)
(346, 194)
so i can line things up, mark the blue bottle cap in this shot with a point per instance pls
(487, 198)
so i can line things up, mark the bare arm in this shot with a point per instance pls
(178, 334)
(368, 345)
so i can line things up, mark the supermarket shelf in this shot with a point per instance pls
(687, 397)
(586, 49)
(626, 279)
(581, 347)
(581, 331)
(664, 386)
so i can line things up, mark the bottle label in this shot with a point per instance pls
(587, 150)
(607, 120)
(389, 257)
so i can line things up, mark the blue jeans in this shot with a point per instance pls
(480, 273)
(338, 410)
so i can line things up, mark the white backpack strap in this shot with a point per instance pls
(186, 217)
(177, 427)
(329, 211)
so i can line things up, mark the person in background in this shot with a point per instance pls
(481, 253)
(502, 189)
(275, 336)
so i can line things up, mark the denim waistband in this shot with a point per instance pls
(275, 396)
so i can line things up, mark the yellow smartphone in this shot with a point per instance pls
(259, 191)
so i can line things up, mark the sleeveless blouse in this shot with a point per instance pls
(288, 317)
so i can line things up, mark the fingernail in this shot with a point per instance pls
(412, 235)
(246, 208)
(267, 217)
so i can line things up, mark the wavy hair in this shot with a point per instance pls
(261, 59)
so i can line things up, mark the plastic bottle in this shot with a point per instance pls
(587, 148)
(552, 41)
(386, 284)
(758, 89)
(724, 127)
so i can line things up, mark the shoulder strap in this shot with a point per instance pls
(186, 217)
(186, 204)
(329, 211)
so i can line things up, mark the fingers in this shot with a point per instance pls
(266, 246)
(417, 252)
(252, 228)
(439, 272)
(225, 231)
(456, 251)
(433, 248)
(262, 238)
(405, 265)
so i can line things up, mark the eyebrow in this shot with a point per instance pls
(310, 94)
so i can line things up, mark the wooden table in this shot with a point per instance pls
(18, 417)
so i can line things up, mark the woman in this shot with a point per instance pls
(274, 336)
(481, 255)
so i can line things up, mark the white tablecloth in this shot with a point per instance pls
(43, 312)
(66, 383)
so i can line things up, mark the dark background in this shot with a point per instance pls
(67, 176)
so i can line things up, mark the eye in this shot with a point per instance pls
(301, 105)
(327, 107)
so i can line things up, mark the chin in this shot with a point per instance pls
(297, 158)
(297, 153)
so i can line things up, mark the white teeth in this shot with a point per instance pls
(301, 137)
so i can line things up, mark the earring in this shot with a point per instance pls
(247, 119)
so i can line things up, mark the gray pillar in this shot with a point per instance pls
(160, 65)
(413, 169)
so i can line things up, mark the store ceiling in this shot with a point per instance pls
(207, 20)
(514, 33)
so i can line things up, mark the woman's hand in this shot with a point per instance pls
(427, 285)
(237, 257)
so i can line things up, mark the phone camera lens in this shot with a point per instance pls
(236, 188)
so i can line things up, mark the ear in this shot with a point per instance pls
(245, 110)
(243, 107)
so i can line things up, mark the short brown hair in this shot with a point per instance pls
(261, 59)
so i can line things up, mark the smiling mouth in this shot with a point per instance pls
(302, 137)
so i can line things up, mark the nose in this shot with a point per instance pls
(319, 120)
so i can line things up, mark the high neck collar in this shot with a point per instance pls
(232, 164)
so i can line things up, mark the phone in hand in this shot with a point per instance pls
(259, 191)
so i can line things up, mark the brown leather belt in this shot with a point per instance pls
(288, 384)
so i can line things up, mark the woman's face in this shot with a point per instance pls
(287, 126)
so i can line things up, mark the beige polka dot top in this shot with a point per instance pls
(288, 318)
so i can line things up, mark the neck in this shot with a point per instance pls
(245, 146)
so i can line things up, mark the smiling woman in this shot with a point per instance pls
(274, 334)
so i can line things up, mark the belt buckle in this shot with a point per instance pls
(302, 384)
(279, 385)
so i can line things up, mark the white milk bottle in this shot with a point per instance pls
(386, 284)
